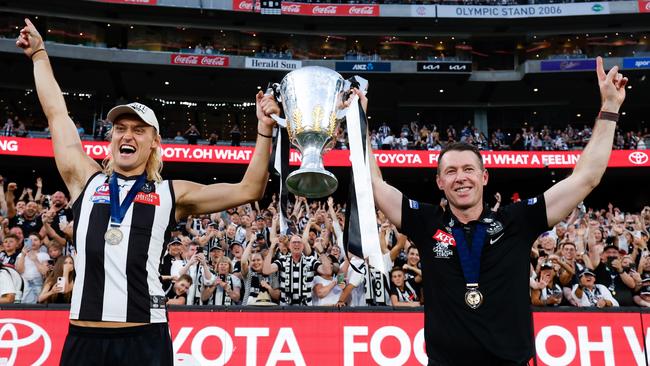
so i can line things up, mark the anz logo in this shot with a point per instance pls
(363, 67)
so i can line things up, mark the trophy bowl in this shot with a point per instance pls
(312, 102)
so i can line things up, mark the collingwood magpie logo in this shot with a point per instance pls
(494, 228)
(139, 107)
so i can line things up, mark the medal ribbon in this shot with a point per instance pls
(470, 259)
(118, 211)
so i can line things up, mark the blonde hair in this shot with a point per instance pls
(225, 259)
(152, 168)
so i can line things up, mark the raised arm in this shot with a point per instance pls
(565, 195)
(72, 162)
(3, 201)
(195, 198)
(270, 267)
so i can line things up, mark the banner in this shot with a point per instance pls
(199, 60)
(297, 8)
(333, 10)
(383, 337)
(644, 6)
(363, 66)
(246, 5)
(636, 62)
(272, 64)
(522, 11)
(16, 146)
(568, 65)
(575, 339)
(445, 67)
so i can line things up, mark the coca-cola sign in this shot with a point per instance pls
(366, 10)
(329, 10)
(199, 60)
(324, 10)
(291, 8)
(245, 5)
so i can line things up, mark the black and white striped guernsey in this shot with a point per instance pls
(121, 282)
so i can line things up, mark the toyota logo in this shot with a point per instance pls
(638, 157)
(14, 343)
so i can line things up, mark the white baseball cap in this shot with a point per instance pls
(145, 113)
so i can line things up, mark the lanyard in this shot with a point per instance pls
(470, 259)
(118, 211)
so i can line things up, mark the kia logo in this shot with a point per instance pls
(638, 157)
(9, 339)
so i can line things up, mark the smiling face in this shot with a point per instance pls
(181, 287)
(569, 251)
(461, 177)
(132, 142)
(296, 245)
(413, 257)
(257, 262)
(59, 200)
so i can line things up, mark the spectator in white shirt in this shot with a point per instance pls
(32, 266)
(588, 293)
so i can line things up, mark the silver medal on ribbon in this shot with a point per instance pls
(113, 236)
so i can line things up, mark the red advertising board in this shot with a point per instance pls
(35, 337)
(137, 2)
(199, 60)
(296, 8)
(336, 158)
(245, 5)
(644, 6)
(332, 10)
(589, 339)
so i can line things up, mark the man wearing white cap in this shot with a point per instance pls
(124, 214)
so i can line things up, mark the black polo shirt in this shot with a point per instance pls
(611, 279)
(500, 330)
(27, 226)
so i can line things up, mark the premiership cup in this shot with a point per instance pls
(312, 102)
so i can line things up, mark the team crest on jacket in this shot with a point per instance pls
(443, 244)
(495, 228)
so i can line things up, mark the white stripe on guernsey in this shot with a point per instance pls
(115, 283)
(80, 240)
(156, 244)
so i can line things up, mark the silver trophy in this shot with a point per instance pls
(312, 102)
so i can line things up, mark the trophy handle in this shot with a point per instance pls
(281, 121)
(274, 89)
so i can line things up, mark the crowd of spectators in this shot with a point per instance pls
(416, 136)
(263, 52)
(595, 257)
(411, 136)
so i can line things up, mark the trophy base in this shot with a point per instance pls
(312, 183)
